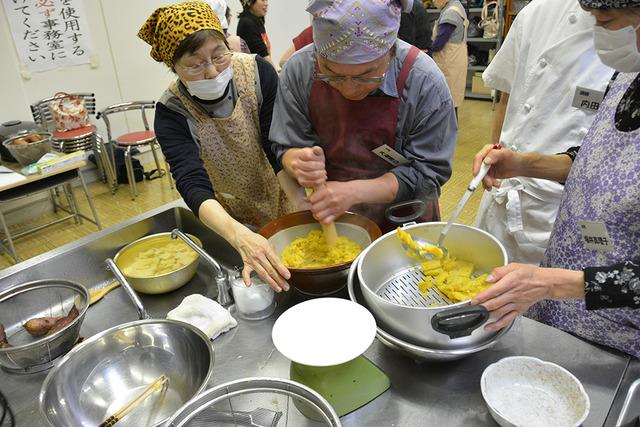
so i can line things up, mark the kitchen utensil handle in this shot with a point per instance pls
(460, 321)
(420, 208)
(484, 169)
(329, 230)
(135, 299)
(221, 278)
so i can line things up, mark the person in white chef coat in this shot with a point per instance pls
(552, 82)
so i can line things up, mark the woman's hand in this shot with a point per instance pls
(259, 255)
(504, 164)
(332, 200)
(516, 287)
(306, 166)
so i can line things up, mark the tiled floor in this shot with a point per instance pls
(475, 129)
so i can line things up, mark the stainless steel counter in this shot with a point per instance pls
(446, 394)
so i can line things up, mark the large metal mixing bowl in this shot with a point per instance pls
(162, 283)
(284, 230)
(104, 373)
(41, 298)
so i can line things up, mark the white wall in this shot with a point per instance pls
(124, 70)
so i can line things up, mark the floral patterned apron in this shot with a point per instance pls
(603, 186)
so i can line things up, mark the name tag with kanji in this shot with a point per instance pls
(595, 236)
(587, 99)
(390, 155)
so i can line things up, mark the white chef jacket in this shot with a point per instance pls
(547, 53)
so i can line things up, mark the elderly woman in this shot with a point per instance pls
(449, 46)
(589, 284)
(212, 124)
(363, 117)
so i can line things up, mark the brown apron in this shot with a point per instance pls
(453, 61)
(231, 150)
(349, 131)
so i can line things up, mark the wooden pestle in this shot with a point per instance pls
(329, 230)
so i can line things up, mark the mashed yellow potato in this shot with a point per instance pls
(312, 251)
(160, 260)
(454, 278)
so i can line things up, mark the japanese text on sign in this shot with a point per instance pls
(49, 34)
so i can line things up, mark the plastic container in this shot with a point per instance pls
(26, 149)
(255, 302)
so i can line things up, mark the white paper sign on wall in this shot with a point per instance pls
(49, 34)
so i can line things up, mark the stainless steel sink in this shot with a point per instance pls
(83, 262)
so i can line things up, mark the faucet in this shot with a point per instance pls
(221, 278)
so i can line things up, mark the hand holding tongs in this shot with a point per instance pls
(484, 169)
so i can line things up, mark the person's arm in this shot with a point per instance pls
(498, 117)
(269, 89)
(428, 133)
(612, 286)
(445, 30)
(257, 253)
(507, 164)
(183, 155)
(516, 287)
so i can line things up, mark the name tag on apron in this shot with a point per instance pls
(587, 99)
(595, 236)
(390, 155)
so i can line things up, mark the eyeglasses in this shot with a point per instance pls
(337, 79)
(219, 62)
(331, 78)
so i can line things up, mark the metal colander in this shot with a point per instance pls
(402, 288)
(257, 402)
(389, 280)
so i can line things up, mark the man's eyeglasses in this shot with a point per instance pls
(331, 78)
(337, 79)
(219, 62)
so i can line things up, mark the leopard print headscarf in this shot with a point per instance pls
(168, 26)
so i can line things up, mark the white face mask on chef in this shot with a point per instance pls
(210, 89)
(618, 48)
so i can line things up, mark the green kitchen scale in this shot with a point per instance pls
(325, 338)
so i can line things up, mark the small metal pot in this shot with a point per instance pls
(159, 284)
(39, 299)
(284, 230)
(389, 281)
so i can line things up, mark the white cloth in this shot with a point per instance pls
(205, 314)
(546, 54)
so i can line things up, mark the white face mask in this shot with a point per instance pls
(618, 48)
(210, 89)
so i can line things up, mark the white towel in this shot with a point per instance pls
(205, 314)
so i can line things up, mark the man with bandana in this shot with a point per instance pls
(361, 117)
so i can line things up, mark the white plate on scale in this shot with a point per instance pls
(324, 332)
